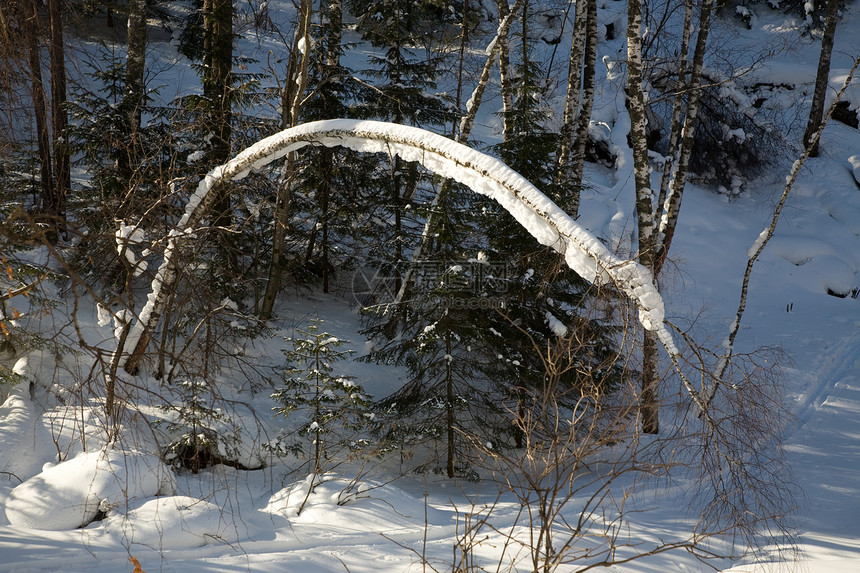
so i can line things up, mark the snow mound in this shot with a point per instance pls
(834, 275)
(71, 494)
(290, 499)
(799, 250)
(174, 522)
(347, 506)
(21, 434)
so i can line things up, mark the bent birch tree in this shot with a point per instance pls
(542, 218)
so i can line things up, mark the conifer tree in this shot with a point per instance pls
(333, 408)
(543, 297)
(404, 87)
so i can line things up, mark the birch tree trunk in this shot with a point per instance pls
(505, 67)
(676, 189)
(677, 107)
(679, 181)
(572, 99)
(649, 408)
(297, 76)
(584, 120)
(822, 76)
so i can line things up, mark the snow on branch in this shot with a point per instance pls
(542, 218)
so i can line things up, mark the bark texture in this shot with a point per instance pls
(43, 137)
(59, 114)
(133, 99)
(644, 207)
(822, 76)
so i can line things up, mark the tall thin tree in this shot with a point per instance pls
(644, 207)
(572, 100)
(217, 92)
(133, 98)
(291, 105)
(672, 206)
(59, 114)
(30, 18)
(587, 99)
(822, 76)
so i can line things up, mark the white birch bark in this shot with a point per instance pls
(677, 107)
(644, 207)
(572, 98)
(505, 73)
(587, 103)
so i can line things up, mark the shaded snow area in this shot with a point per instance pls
(74, 499)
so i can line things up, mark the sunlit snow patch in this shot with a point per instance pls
(71, 494)
(173, 522)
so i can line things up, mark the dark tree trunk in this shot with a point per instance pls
(217, 84)
(59, 115)
(133, 99)
(43, 137)
(821, 79)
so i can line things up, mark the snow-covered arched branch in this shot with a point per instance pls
(551, 226)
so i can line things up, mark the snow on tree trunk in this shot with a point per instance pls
(551, 226)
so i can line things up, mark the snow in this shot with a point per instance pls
(229, 520)
(758, 244)
(172, 522)
(854, 162)
(557, 327)
(70, 494)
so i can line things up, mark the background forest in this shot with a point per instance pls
(336, 331)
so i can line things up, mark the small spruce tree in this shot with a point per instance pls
(333, 409)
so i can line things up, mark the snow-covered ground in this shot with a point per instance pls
(224, 519)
